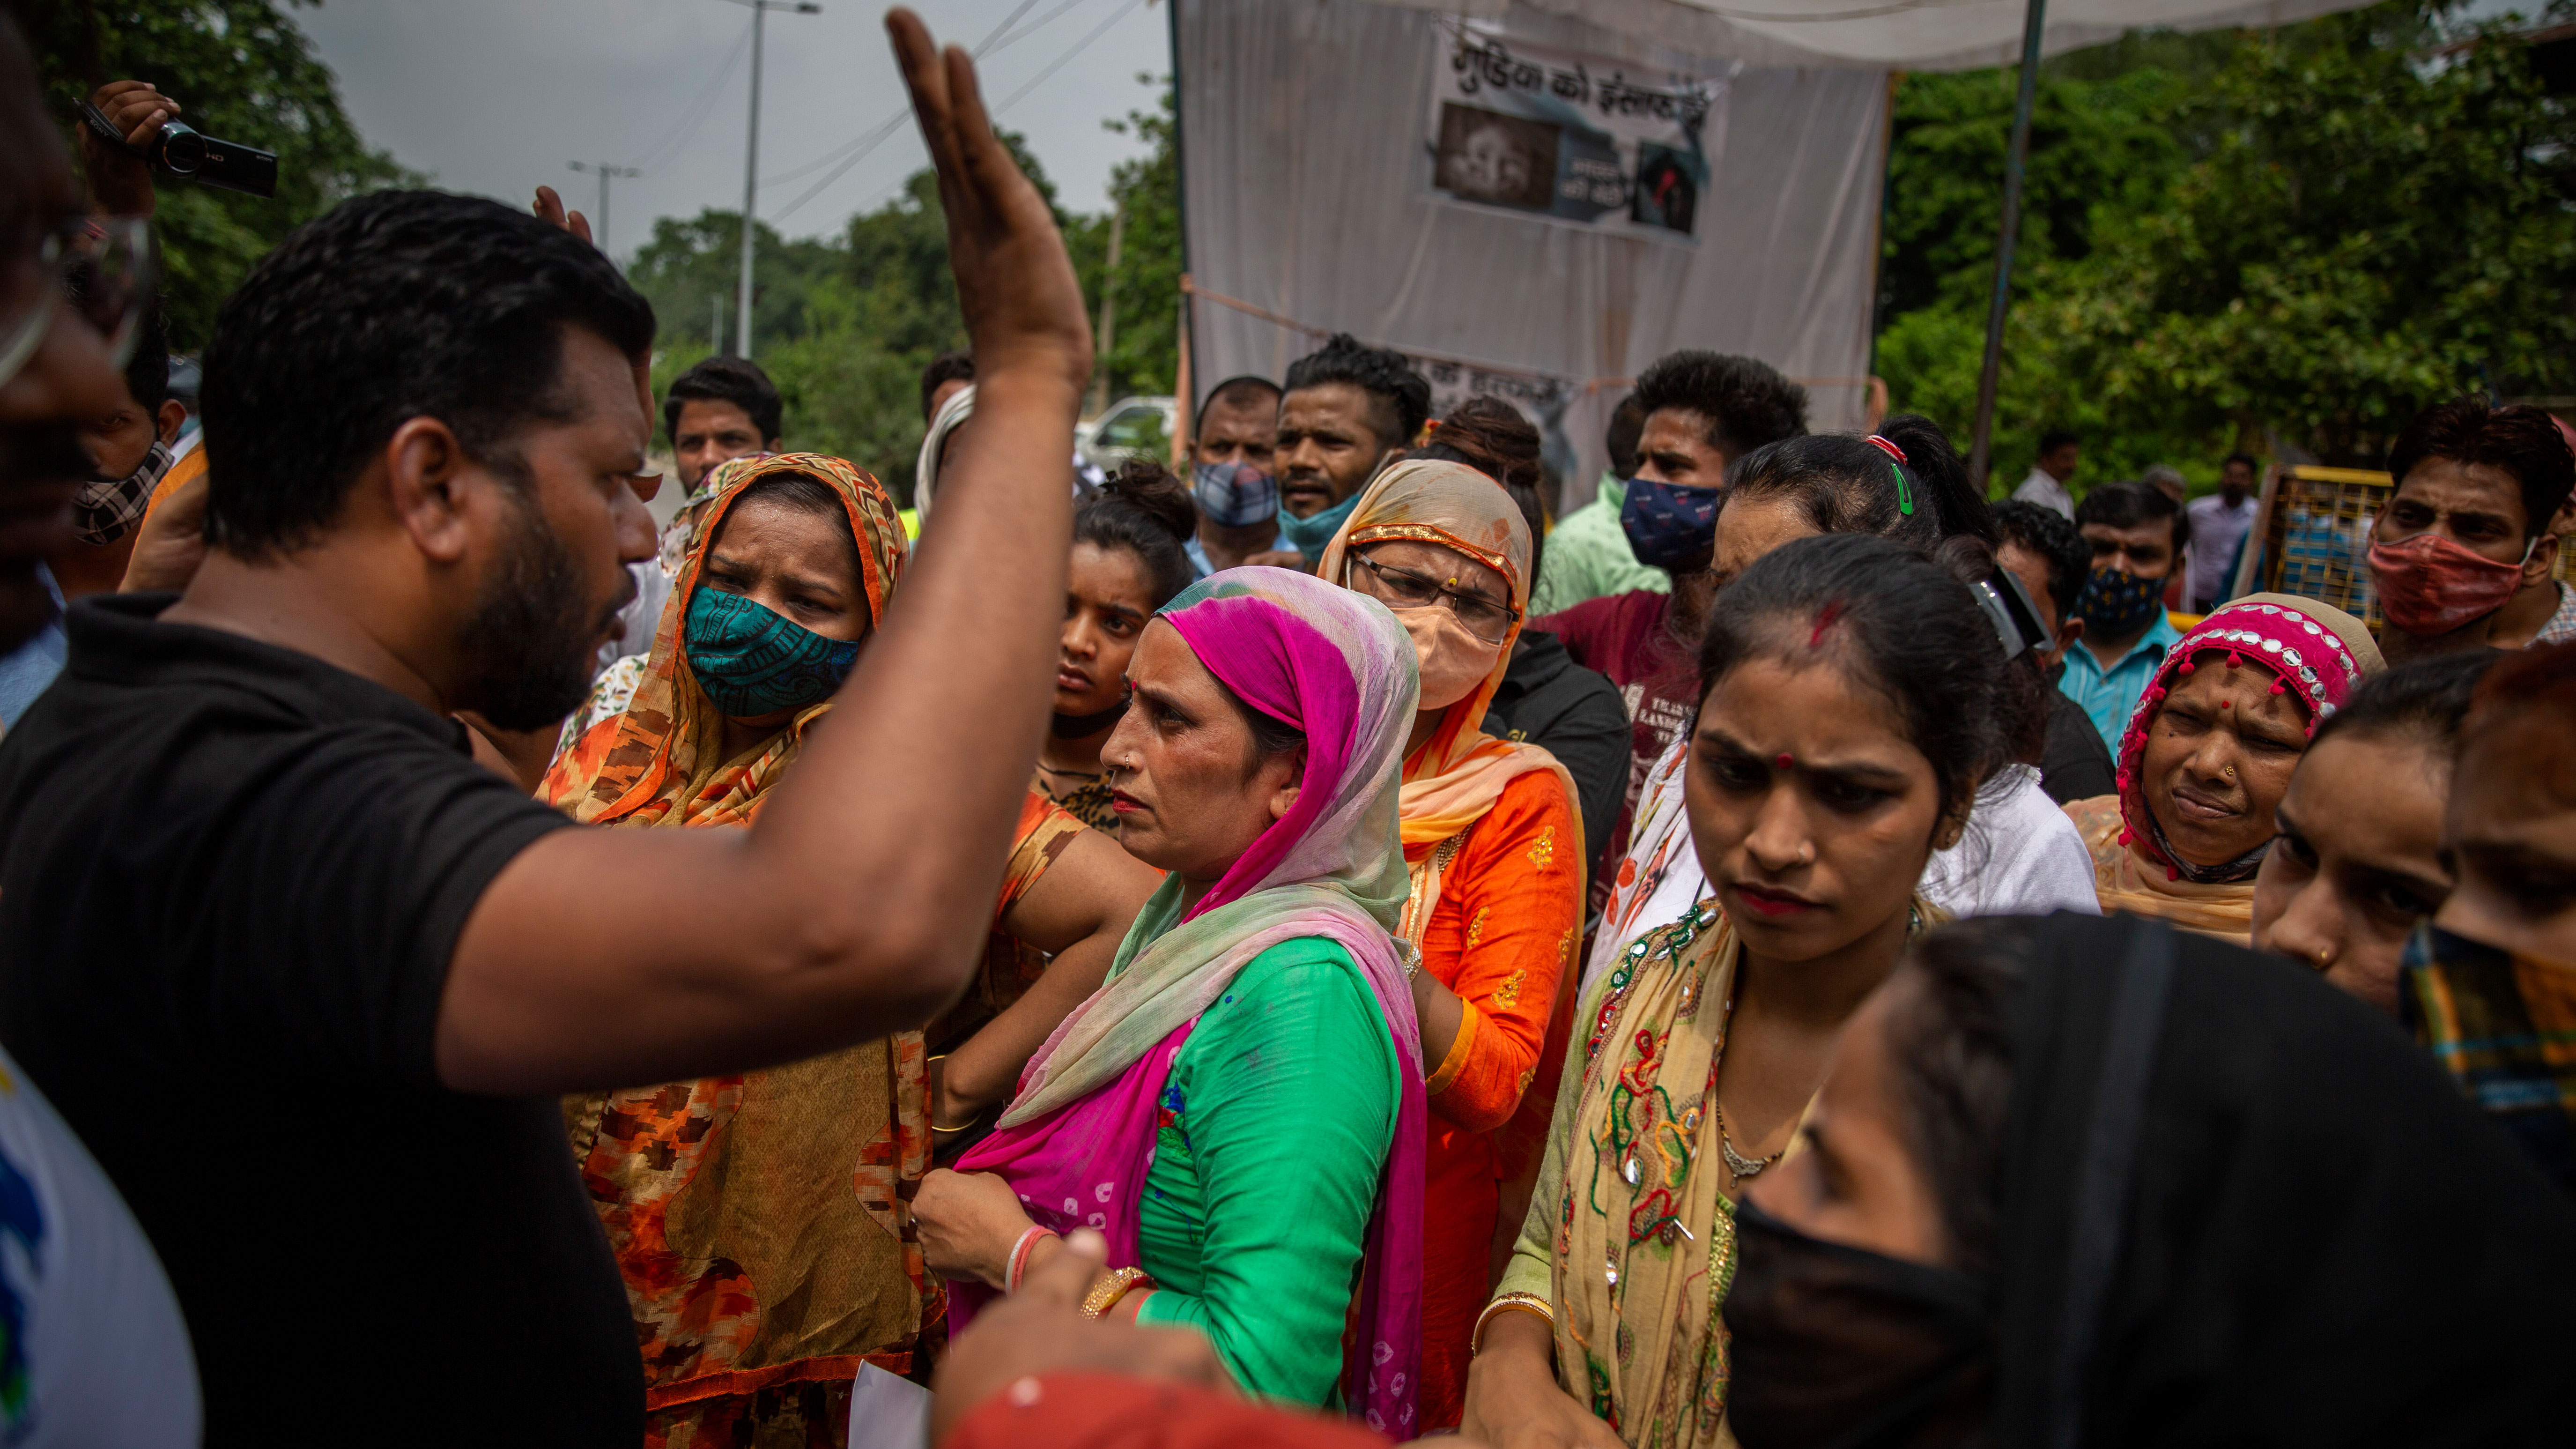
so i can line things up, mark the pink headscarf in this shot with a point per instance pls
(1078, 1139)
(2315, 652)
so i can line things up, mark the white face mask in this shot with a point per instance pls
(1453, 661)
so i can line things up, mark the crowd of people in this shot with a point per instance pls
(1309, 948)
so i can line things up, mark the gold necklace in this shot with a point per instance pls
(1743, 1167)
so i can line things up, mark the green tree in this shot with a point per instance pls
(2306, 234)
(245, 72)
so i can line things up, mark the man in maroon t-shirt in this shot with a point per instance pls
(1703, 411)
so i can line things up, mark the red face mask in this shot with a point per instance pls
(2430, 585)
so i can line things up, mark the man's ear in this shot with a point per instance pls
(2070, 632)
(2543, 561)
(774, 445)
(169, 418)
(425, 470)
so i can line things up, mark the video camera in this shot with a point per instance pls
(182, 151)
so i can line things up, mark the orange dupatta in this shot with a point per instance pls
(1454, 779)
(654, 764)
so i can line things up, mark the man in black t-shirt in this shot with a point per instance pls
(308, 981)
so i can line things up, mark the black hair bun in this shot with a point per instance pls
(1150, 489)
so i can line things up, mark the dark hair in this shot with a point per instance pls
(2245, 458)
(1242, 391)
(946, 367)
(2534, 687)
(2425, 699)
(1905, 625)
(1490, 436)
(2523, 441)
(147, 372)
(2045, 532)
(1271, 735)
(391, 306)
(1627, 425)
(1746, 403)
(1950, 1045)
(1399, 399)
(1143, 509)
(2132, 504)
(733, 380)
(2054, 439)
(807, 494)
(1843, 483)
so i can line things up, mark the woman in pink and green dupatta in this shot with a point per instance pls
(1240, 1107)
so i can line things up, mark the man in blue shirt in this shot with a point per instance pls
(2137, 534)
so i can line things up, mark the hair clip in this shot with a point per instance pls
(1884, 446)
(1904, 495)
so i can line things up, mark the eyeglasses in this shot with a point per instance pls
(1404, 589)
(102, 266)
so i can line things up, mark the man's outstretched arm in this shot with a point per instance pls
(855, 905)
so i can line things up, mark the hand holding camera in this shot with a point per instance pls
(133, 130)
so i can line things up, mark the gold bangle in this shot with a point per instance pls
(1509, 1302)
(1104, 1295)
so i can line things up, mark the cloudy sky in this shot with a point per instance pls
(496, 96)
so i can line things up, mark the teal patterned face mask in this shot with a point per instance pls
(752, 660)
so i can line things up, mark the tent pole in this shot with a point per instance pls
(2016, 158)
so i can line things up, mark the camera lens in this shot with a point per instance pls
(182, 150)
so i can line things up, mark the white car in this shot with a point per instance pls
(1132, 427)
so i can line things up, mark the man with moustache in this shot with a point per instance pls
(98, 1347)
(1349, 410)
(424, 413)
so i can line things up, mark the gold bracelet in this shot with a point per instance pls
(1104, 1295)
(1509, 1302)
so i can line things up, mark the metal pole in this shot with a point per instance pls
(751, 189)
(2015, 158)
(1108, 314)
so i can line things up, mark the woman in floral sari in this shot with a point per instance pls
(1240, 1108)
(759, 1218)
(1847, 718)
(1494, 850)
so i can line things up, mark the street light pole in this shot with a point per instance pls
(2016, 160)
(751, 162)
(604, 171)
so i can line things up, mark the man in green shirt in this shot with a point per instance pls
(1587, 553)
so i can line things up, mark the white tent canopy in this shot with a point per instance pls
(1318, 192)
(1888, 34)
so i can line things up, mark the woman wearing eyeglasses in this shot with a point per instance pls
(1494, 845)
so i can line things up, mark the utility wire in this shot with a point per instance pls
(695, 114)
(876, 135)
(1016, 96)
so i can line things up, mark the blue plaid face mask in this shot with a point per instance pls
(753, 661)
(1234, 495)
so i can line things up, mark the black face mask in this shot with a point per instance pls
(1839, 1346)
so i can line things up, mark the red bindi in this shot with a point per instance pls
(1786, 763)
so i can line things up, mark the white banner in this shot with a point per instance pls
(1581, 139)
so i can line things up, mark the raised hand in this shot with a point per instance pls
(1014, 281)
(120, 183)
(550, 209)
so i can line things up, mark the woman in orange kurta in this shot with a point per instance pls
(762, 1220)
(1494, 840)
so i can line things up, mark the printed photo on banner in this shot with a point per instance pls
(1578, 139)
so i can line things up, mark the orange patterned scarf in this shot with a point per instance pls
(657, 763)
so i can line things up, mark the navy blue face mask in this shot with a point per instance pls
(752, 660)
(1669, 525)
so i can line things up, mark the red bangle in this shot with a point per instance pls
(1019, 1261)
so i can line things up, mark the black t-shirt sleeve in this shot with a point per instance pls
(342, 884)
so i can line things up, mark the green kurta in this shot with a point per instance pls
(1275, 1127)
